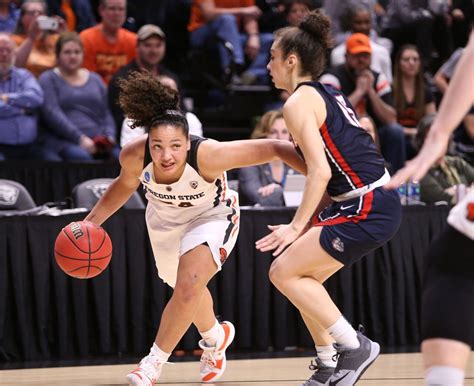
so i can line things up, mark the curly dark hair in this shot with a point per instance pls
(149, 103)
(310, 41)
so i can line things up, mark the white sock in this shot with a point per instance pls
(158, 354)
(344, 334)
(212, 336)
(325, 354)
(444, 376)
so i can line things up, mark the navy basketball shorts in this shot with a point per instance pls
(355, 227)
(447, 309)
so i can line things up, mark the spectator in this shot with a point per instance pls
(461, 13)
(359, 20)
(407, 21)
(412, 96)
(9, 16)
(194, 124)
(368, 124)
(215, 23)
(80, 125)
(77, 13)
(108, 46)
(151, 50)
(263, 184)
(446, 175)
(337, 9)
(35, 45)
(370, 93)
(446, 71)
(20, 98)
(464, 137)
(295, 11)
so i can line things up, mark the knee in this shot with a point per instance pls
(225, 20)
(277, 274)
(188, 290)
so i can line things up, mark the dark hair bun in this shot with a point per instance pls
(143, 97)
(318, 25)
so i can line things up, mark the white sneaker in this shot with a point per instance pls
(213, 360)
(147, 372)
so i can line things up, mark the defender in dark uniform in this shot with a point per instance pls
(342, 164)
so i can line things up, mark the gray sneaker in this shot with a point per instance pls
(321, 375)
(352, 363)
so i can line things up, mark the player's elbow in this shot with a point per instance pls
(322, 173)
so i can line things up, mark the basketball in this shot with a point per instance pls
(83, 249)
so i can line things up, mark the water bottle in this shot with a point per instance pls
(413, 193)
(461, 192)
(402, 193)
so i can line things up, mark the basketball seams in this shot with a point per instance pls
(84, 276)
(89, 242)
(82, 259)
(104, 236)
(73, 241)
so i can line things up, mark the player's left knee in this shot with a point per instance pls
(277, 274)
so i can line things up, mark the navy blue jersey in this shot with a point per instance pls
(352, 155)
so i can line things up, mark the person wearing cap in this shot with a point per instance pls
(370, 93)
(151, 50)
(359, 19)
(108, 46)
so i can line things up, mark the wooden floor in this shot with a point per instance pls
(389, 369)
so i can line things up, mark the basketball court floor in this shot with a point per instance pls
(388, 370)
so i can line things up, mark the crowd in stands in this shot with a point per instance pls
(61, 63)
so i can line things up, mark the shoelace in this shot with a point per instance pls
(316, 367)
(208, 360)
(148, 368)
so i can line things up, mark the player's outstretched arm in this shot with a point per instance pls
(455, 104)
(122, 188)
(216, 157)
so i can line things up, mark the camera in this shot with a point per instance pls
(46, 23)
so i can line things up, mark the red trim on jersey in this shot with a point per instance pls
(364, 213)
(338, 157)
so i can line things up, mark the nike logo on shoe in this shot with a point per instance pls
(339, 380)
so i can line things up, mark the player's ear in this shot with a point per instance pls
(291, 60)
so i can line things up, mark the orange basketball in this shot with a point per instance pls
(83, 249)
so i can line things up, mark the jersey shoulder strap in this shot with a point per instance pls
(192, 153)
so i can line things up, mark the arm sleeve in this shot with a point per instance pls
(89, 52)
(250, 182)
(467, 170)
(52, 112)
(29, 94)
(432, 191)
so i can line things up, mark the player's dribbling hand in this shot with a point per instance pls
(281, 236)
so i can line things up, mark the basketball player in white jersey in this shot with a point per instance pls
(448, 283)
(192, 216)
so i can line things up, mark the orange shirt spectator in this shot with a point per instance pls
(105, 57)
(197, 19)
(42, 56)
